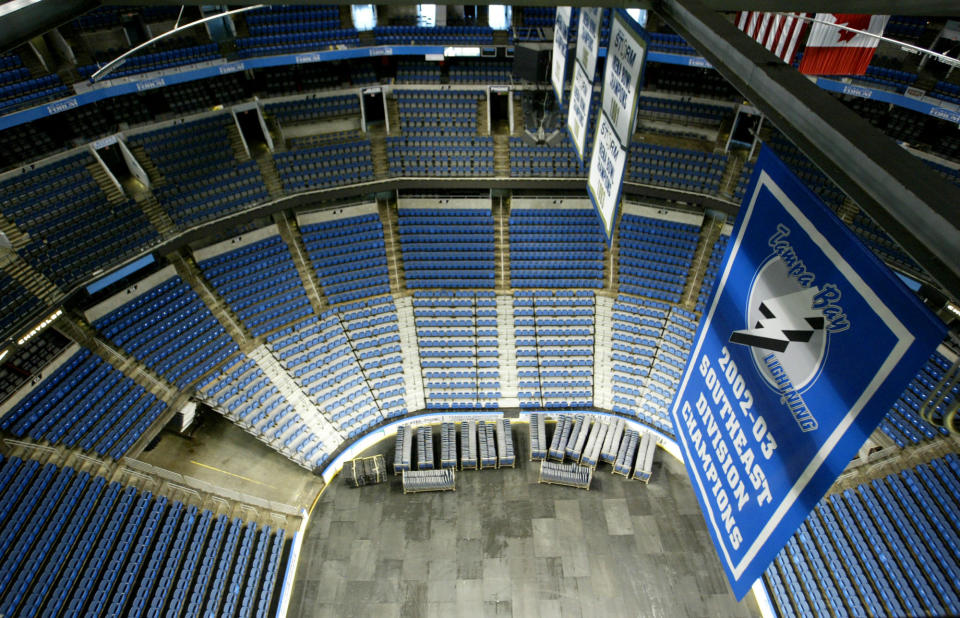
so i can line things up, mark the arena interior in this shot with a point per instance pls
(264, 246)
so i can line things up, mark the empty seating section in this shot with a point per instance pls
(19, 89)
(742, 181)
(429, 154)
(554, 347)
(544, 160)
(26, 361)
(75, 545)
(650, 345)
(438, 109)
(670, 44)
(887, 78)
(555, 249)
(260, 284)
(903, 423)
(329, 165)
(683, 112)
(74, 230)
(542, 16)
(312, 109)
(439, 135)
(246, 396)
(906, 28)
(481, 72)
(319, 358)
(655, 256)
(712, 271)
(348, 256)
(171, 331)
(949, 173)
(946, 91)
(86, 404)
(16, 302)
(459, 354)
(433, 35)
(292, 29)
(202, 179)
(372, 328)
(418, 72)
(447, 248)
(887, 547)
(811, 175)
(675, 168)
(156, 61)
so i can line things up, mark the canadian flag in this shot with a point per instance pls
(780, 33)
(835, 51)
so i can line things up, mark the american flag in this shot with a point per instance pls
(779, 32)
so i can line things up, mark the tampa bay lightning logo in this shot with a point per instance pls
(786, 319)
(786, 327)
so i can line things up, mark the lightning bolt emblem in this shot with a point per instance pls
(786, 319)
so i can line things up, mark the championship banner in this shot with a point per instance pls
(806, 342)
(578, 112)
(561, 34)
(623, 73)
(622, 76)
(588, 39)
(605, 179)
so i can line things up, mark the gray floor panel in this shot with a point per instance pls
(503, 545)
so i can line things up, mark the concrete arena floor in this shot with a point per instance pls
(504, 545)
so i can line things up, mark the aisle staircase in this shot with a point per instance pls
(709, 233)
(292, 392)
(731, 175)
(378, 152)
(290, 233)
(153, 173)
(77, 329)
(611, 262)
(32, 279)
(391, 240)
(507, 346)
(157, 215)
(236, 142)
(501, 154)
(412, 371)
(501, 263)
(270, 176)
(483, 127)
(848, 211)
(602, 353)
(393, 115)
(114, 194)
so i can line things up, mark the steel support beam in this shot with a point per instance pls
(917, 207)
(883, 7)
(22, 20)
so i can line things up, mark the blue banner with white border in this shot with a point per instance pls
(805, 343)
